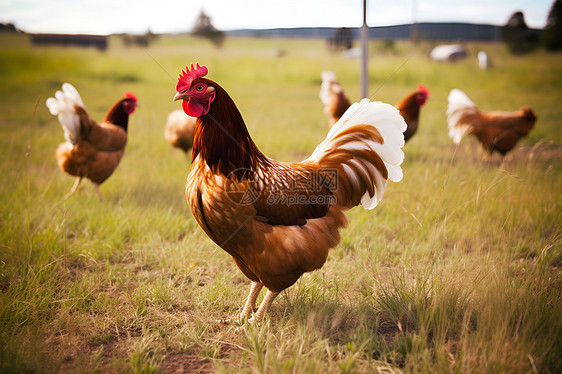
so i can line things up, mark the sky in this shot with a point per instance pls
(173, 16)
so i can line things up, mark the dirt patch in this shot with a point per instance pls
(388, 334)
(185, 363)
(66, 352)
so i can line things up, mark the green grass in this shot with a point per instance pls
(457, 270)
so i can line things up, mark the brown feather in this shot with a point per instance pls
(276, 254)
(338, 105)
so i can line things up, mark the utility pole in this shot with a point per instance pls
(414, 32)
(364, 53)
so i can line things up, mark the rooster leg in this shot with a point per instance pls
(97, 189)
(74, 187)
(268, 299)
(251, 301)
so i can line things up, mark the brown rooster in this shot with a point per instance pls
(333, 97)
(179, 130)
(410, 107)
(278, 220)
(496, 130)
(92, 150)
(336, 103)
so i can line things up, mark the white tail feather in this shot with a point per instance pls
(63, 106)
(390, 124)
(459, 104)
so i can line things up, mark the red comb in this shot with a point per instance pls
(423, 89)
(188, 75)
(130, 95)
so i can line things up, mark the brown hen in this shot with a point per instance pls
(92, 150)
(496, 130)
(179, 130)
(278, 220)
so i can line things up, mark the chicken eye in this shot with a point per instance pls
(199, 87)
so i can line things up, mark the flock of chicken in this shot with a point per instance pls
(496, 130)
(277, 220)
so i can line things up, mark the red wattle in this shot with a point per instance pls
(192, 108)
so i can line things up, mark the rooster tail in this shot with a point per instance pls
(461, 113)
(63, 105)
(364, 148)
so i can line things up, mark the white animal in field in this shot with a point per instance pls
(484, 61)
(451, 53)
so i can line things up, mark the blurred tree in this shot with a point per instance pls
(139, 40)
(552, 36)
(342, 39)
(204, 28)
(518, 36)
(8, 27)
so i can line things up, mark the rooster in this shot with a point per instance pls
(92, 150)
(278, 220)
(410, 107)
(336, 103)
(179, 130)
(496, 130)
(333, 97)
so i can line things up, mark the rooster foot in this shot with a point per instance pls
(238, 320)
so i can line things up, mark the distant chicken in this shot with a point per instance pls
(496, 130)
(333, 97)
(92, 150)
(410, 107)
(179, 130)
(336, 103)
(278, 220)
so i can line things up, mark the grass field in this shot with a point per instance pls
(457, 270)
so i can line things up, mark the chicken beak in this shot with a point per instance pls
(181, 96)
